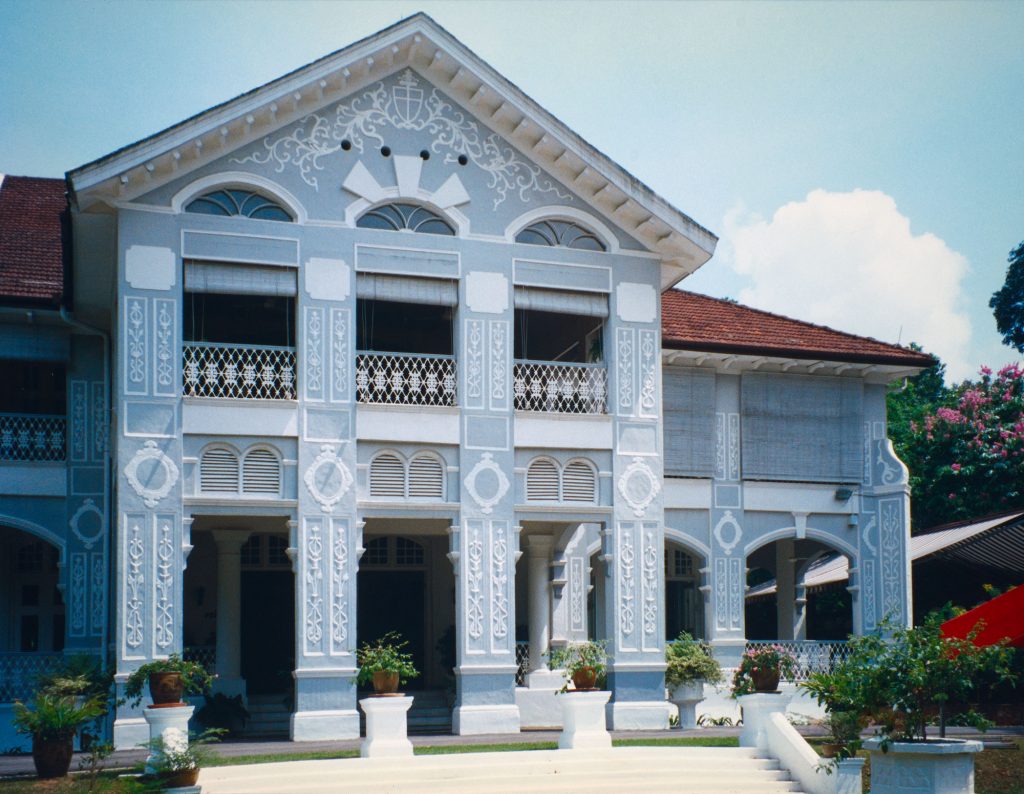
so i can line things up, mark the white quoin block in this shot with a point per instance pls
(584, 721)
(757, 709)
(938, 766)
(386, 729)
(162, 719)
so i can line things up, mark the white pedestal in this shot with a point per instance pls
(939, 766)
(686, 697)
(386, 729)
(161, 720)
(757, 708)
(583, 720)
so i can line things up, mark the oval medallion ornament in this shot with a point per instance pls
(638, 486)
(87, 523)
(151, 474)
(327, 478)
(486, 483)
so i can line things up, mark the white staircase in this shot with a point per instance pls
(681, 770)
(268, 717)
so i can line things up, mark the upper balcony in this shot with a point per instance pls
(33, 414)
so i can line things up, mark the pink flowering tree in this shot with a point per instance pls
(966, 454)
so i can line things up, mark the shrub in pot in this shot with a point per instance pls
(177, 757)
(168, 680)
(385, 663)
(584, 664)
(761, 669)
(52, 721)
(223, 712)
(690, 664)
(82, 678)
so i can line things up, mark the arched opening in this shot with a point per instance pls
(684, 601)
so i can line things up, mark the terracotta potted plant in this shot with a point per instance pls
(843, 739)
(690, 664)
(583, 662)
(761, 668)
(168, 680)
(385, 664)
(178, 757)
(52, 721)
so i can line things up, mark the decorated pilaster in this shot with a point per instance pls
(485, 545)
(633, 543)
(229, 679)
(150, 537)
(881, 584)
(326, 539)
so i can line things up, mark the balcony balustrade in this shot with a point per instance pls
(405, 379)
(19, 673)
(811, 656)
(248, 372)
(32, 437)
(561, 388)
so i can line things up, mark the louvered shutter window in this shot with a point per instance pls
(387, 476)
(579, 483)
(426, 478)
(261, 473)
(218, 471)
(542, 481)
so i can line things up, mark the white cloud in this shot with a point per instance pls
(850, 261)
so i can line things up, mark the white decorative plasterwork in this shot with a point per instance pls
(650, 584)
(893, 568)
(76, 586)
(577, 594)
(627, 585)
(97, 590)
(721, 593)
(133, 586)
(404, 106)
(720, 442)
(340, 358)
(79, 421)
(474, 364)
(314, 601)
(734, 446)
(638, 486)
(499, 581)
(867, 591)
(624, 368)
(164, 625)
(866, 534)
(135, 345)
(87, 507)
(486, 501)
(151, 493)
(728, 533)
(890, 474)
(99, 420)
(339, 587)
(314, 353)
(499, 331)
(327, 279)
(149, 267)
(474, 577)
(648, 374)
(486, 292)
(736, 585)
(636, 303)
(164, 375)
(327, 478)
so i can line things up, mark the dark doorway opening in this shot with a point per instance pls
(395, 601)
(268, 631)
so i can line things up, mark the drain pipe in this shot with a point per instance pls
(108, 494)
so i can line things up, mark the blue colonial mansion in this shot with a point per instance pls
(382, 345)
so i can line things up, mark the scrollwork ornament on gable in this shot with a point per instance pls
(328, 479)
(151, 494)
(485, 501)
(639, 486)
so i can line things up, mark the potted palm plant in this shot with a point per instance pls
(690, 664)
(168, 680)
(583, 662)
(52, 721)
(385, 663)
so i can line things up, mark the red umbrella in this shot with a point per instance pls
(1003, 617)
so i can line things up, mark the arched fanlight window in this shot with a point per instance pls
(560, 234)
(398, 217)
(245, 203)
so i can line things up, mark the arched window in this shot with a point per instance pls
(218, 471)
(579, 483)
(261, 472)
(234, 201)
(376, 552)
(426, 477)
(400, 217)
(542, 481)
(387, 476)
(560, 234)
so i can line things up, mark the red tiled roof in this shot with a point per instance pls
(696, 322)
(31, 248)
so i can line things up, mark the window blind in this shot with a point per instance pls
(689, 418)
(407, 289)
(589, 304)
(239, 279)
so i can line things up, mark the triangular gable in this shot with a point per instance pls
(418, 41)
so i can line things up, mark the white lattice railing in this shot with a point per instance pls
(19, 672)
(562, 388)
(522, 662)
(405, 379)
(247, 372)
(206, 655)
(32, 437)
(812, 656)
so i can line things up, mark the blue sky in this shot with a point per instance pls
(862, 163)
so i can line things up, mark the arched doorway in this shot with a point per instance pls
(684, 601)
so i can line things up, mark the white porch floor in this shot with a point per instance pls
(681, 770)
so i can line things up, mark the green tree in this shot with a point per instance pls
(1007, 304)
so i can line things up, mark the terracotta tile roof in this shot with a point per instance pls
(31, 240)
(697, 322)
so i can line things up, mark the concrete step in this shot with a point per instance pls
(624, 769)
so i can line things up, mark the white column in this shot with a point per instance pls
(229, 611)
(800, 612)
(785, 596)
(538, 551)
